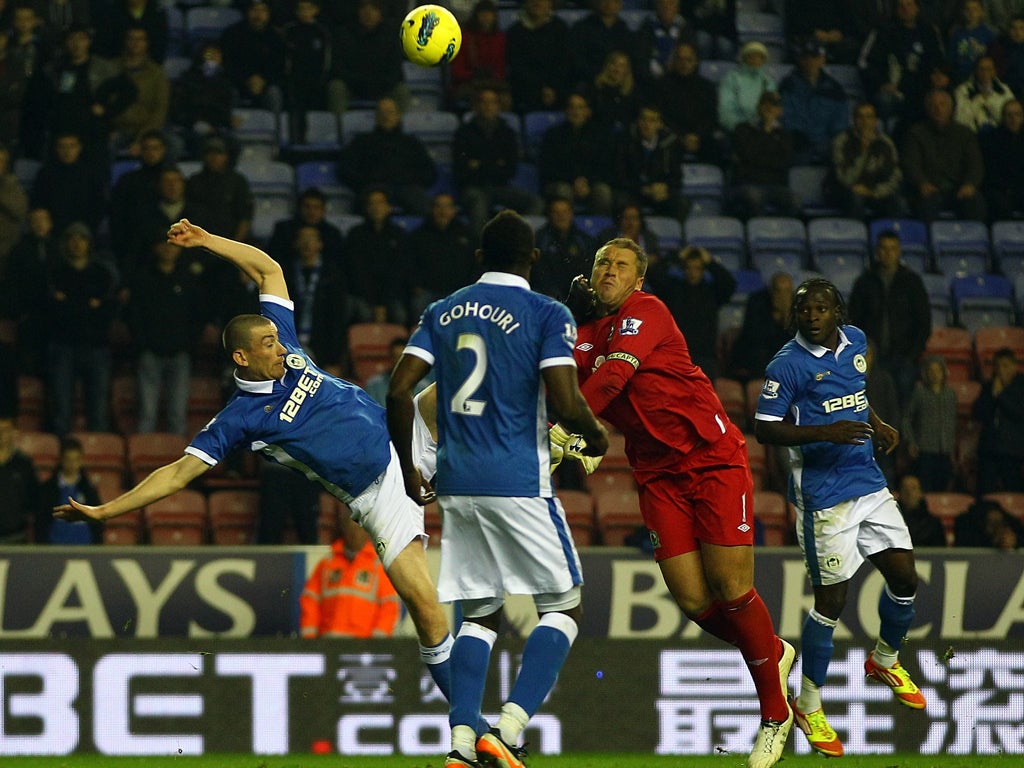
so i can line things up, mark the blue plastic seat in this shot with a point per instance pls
(323, 133)
(668, 230)
(207, 22)
(960, 247)
(837, 236)
(703, 185)
(535, 125)
(983, 300)
(271, 178)
(256, 126)
(775, 234)
(1008, 245)
(723, 236)
(807, 181)
(267, 211)
(356, 121)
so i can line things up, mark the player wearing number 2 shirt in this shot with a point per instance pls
(693, 478)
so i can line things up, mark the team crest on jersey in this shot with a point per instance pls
(655, 539)
(630, 326)
(770, 390)
(381, 545)
(860, 363)
(833, 562)
(295, 361)
(586, 346)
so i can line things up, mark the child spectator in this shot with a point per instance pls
(929, 426)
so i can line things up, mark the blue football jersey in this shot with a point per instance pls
(811, 385)
(326, 428)
(488, 343)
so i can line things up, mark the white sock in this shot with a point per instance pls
(885, 655)
(512, 723)
(810, 696)
(464, 741)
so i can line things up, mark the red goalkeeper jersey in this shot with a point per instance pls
(635, 372)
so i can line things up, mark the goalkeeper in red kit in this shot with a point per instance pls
(691, 469)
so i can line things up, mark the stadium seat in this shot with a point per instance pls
(982, 300)
(109, 483)
(207, 22)
(634, 17)
(954, 345)
(703, 186)
(593, 225)
(748, 281)
(344, 221)
(579, 512)
(608, 479)
(527, 177)
(730, 319)
(939, 298)
(767, 28)
(848, 76)
(146, 452)
(1008, 246)
(668, 230)
(373, 339)
(842, 269)
(960, 247)
(356, 121)
(323, 133)
(615, 456)
(772, 510)
(723, 236)
(102, 450)
(838, 236)
(42, 447)
(256, 126)
(407, 222)
(178, 520)
(946, 507)
(31, 403)
(807, 181)
(753, 392)
(770, 263)
(1011, 502)
(269, 178)
(268, 211)
(733, 397)
(123, 530)
(966, 393)
(776, 234)
(535, 125)
(323, 175)
(233, 517)
(119, 168)
(424, 81)
(714, 70)
(757, 458)
(175, 66)
(25, 169)
(431, 127)
(989, 339)
(205, 396)
(618, 515)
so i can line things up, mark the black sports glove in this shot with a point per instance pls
(581, 301)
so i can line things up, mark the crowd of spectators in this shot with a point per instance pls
(930, 127)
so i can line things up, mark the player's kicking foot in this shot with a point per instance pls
(819, 733)
(770, 741)
(786, 664)
(455, 758)
(495, 750)
(897, 678)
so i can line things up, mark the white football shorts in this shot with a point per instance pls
(493, 545)
(390, 517)
(845, 535)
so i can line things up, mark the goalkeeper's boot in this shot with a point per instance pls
(455, 758)
(495, 750)
(785, 665)
(897, 678)
(819, 733)
(770, 741)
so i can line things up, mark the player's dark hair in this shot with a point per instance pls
(887, 234)
(817, 284)
(238, 332)
(506, 240)
(70, 444)
(629, 245)
(1006, 352)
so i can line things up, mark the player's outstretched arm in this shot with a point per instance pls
(262, 269)
(159, 484)
(843, 432)
(572, 410)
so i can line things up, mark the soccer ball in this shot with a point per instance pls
(430, 35)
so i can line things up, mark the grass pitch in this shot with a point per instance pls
(631, 760)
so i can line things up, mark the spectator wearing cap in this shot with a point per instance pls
(254, 58)
(740, 90)
(763, 155)
(81, 308)
(814, 105)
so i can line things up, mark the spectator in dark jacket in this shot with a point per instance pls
(890, 304)
(574, 158)
(390, 158)
(763, 154)
(254, 56)
(69, 186)
(765, 328)
(442, 251)
(1000, 411)
(689, 103)
(1003, 151)
(202, 99)
(595, 36)
(367, 64)
(942, 163)
(311, 212)
(694, 287)
(19, 486)
(649, 166)
(538, 58)
(565, 250)
(987, 524)
(378, 262)
(126, 14)
(813, 105)
(68, 480)
(926, 530)
(485, 156)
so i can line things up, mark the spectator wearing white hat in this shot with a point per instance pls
(740, 90)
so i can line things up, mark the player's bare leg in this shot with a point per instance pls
(411, 578)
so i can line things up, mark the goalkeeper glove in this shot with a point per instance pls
(558, 438)
(574, 450)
